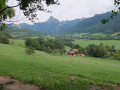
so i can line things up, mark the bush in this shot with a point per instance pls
(30, 50)
(4, 39)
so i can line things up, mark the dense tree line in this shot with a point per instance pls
(44, 44)
(58, 45)
(96, 51)
(107, 37)
(89, 36)
(101, 51)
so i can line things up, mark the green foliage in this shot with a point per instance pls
(4, 38)
(96, 51)
(29, 8)
(5, 11)
(117, 54)
(44, 44)
(84, 43)
(61, 52)
(23, 33)
(90, 49)
(20, 33)
(98, 48)
(115, 12)
(30, 50)
(3, 27)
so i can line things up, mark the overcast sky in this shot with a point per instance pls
(69, 10)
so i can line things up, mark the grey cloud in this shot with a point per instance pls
(72, 9)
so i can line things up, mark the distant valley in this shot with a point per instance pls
(51, 26)
(85, 25)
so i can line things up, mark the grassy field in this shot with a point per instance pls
(115, 34)
(98, 34)
(67, 47)
(58, 72)
(95, 34)
(17, 42)
(45, 36)
(85, 43)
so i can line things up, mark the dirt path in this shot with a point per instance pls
(115, 87)
(7, 83)
(95, 86)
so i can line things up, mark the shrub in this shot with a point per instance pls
(30, 50)
(4, 38)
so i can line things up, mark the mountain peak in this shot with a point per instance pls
(52, 19)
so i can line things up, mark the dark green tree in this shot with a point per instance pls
(61, 52)
(115, 12)
(90, 49)
(29, 7)
(5, 13)
(100, 51)
(77, 46)
(4, 38)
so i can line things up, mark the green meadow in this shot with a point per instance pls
(94, 34)
(85, 43)
(45, 36)
(58, 72)
(17, 42)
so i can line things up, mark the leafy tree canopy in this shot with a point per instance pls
(114, 12)
(29, 8)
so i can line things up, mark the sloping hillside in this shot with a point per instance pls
(23, 33)
(59, 72)
(93, 25)
(51, 26)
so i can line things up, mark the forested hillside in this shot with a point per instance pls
(87, 25)
(22, 33)
(51, 26)
(93, 25)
